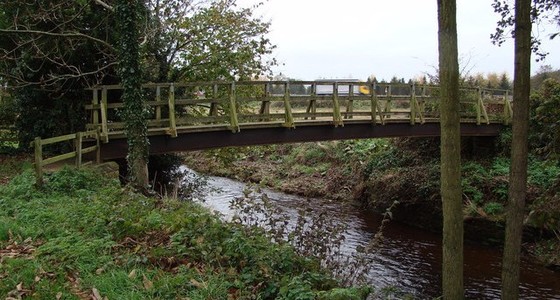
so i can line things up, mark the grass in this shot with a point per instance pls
(84, 236)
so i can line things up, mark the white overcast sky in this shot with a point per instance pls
(357, 38)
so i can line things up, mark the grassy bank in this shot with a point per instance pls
(379, 172)
(83, 236)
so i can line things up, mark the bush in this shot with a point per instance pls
(493, 208)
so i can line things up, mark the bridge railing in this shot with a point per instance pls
(77, 153)
(206, 106)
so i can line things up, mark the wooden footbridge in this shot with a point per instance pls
(203, 115)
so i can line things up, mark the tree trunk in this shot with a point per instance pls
(135, 110)
(519, 149)
(452, 204)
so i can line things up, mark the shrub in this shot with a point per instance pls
(493, 208)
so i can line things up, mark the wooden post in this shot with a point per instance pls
(38, 161)
(477, 106)
(98, 146)
(508, 110)
(158, 106)
(388, 103)
(337, 118)
(423, 102)
(234, 122)
(95, 111)
(171, 105)
(104, 127)
(350, 104)
(480, 109)
(288, 118)
(412, 105)
(373, 103)
(265, 103)
(312, 107)
(214, 105)
(78, 149)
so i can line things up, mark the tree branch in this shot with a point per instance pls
(71, 34)
(104, 4)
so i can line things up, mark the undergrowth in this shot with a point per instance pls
(84, 236)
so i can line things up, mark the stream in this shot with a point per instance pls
(408, 258)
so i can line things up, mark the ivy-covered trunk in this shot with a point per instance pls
(135, 111)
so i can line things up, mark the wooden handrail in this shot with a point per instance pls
(78, 152)
(251, 104)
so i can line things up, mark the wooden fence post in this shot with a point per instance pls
(337, 118)
(214, 105)
(78, 149)
(234, 122)
(171, 105)
(389, 98)
(373, 103)
(98, 145)
(412, 104)
(104, 126)
(38, 161)
(95, 111)
(350, 103)
(312, 107)
(288, 118)
(508, 110)
(158, 106)
(265, 103)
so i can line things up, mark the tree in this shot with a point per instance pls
(452, 275)
(505, 83)
(541, 10)
(519, 151)
(524, 15)
(57, 48)
(49, 52)
(135, 112)
(205, 40)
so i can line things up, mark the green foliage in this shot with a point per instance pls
(543, 174)
(545, 109)
(207, 41)
(47, 73)
(493, 208)
(85, 226)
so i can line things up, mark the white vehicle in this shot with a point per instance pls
(322, 88)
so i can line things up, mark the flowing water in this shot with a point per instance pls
(409, 258)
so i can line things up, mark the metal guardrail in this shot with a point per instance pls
(78, 153)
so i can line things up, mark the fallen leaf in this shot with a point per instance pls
(99, 271)
(147, 283)
(37, 278)
(132, 274)
(58, 295)
(19, 287)
(96, 294)
(197, 284)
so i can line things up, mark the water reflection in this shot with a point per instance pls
(409, 258)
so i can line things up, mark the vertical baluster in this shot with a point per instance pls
(171, 106)
(104, 125)
(288, 118)
(234, 123)
(337, 118)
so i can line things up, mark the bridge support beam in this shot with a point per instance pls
(117, 148)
